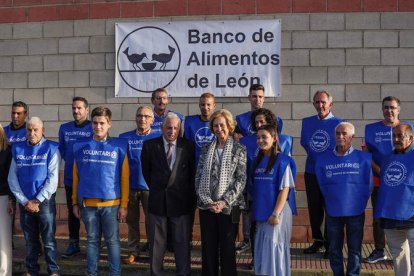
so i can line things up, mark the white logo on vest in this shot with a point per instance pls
(319, 141)
(201, 139)
(395, 174)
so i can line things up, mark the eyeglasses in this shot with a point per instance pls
(140, 116)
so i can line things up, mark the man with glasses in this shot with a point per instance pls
(138, 188)
(378, 141)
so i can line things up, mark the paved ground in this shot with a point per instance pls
(301, 264)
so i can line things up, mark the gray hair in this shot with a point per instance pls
(35, 121)
(347, 124)
(323, 92)
(171, 115)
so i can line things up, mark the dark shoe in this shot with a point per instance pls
(376, 256)
(145, 247)
(72, 250)
(243, 247)
(314, 248)
(130, 259)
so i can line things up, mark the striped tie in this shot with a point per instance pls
(169, 154)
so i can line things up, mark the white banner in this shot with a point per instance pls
(189, 58)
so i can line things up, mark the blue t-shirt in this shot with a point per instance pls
(15, 135)
(199, 132)
(69, 133)
(135, 141)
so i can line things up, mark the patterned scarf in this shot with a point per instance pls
(206, 188)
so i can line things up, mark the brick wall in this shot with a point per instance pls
(360, 50)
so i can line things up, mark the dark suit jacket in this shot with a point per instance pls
(171, 193)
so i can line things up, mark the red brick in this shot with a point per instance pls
(380, 5)
(272, 6)
(61, 228)
(344, 6)
(368, 235)
(73, 12)
(123, 230)
(140, 9)
(6, 3)
(170, 8)
(204, 7)
(239, 7)
(46, 13)
(300, 182)
(50, 2)
(62, 211)
(107, 10)
(302, 218)
(406, 5)
(81, 1)
(12, 15)
(308, 5)
(299, 234)
(368, 217)
(26, 2)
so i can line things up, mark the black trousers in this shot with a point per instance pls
(316, 209)
(73, 222)
(218, 235)
(379, 235)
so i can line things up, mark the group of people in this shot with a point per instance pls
(340, 179)
(229, 168)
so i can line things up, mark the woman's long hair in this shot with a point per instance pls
(274, 152)
(4, 143)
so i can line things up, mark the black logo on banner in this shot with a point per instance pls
(151, 55)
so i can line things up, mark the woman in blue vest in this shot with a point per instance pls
(273, 204)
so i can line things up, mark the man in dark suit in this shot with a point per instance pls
(168, 168)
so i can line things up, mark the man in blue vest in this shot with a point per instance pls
(196, 126)
(345, 179)
(378, 141)
(395, 204)
(100, 189)
(160, 100)
(69, 133)
(138, 188)
(317, 136)
(33, 179)
(256, 98)
(16, 130)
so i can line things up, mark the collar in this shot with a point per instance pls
(14, 128)
(144, 134)
(349, 151)
(163, 115)
(166, 142)
(101, 141)
(330, 115)
(83, 124)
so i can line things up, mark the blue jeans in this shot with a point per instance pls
(105, 220)
(43, 222)
(354, 233)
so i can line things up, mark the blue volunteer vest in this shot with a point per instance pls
(378, 138)
(345, 182)
(32, 165)
(199, 132)
(243, 124)
(267, 186)
(317, 136)
(15, 136)
(396, 193)
(68, 135)
(156, 125)
(99, 167)
(252, 148)
(135, 141)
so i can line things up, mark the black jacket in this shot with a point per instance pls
(5, 160)
(171, 192)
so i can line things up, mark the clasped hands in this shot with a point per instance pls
(217, 206)
(32, 206)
